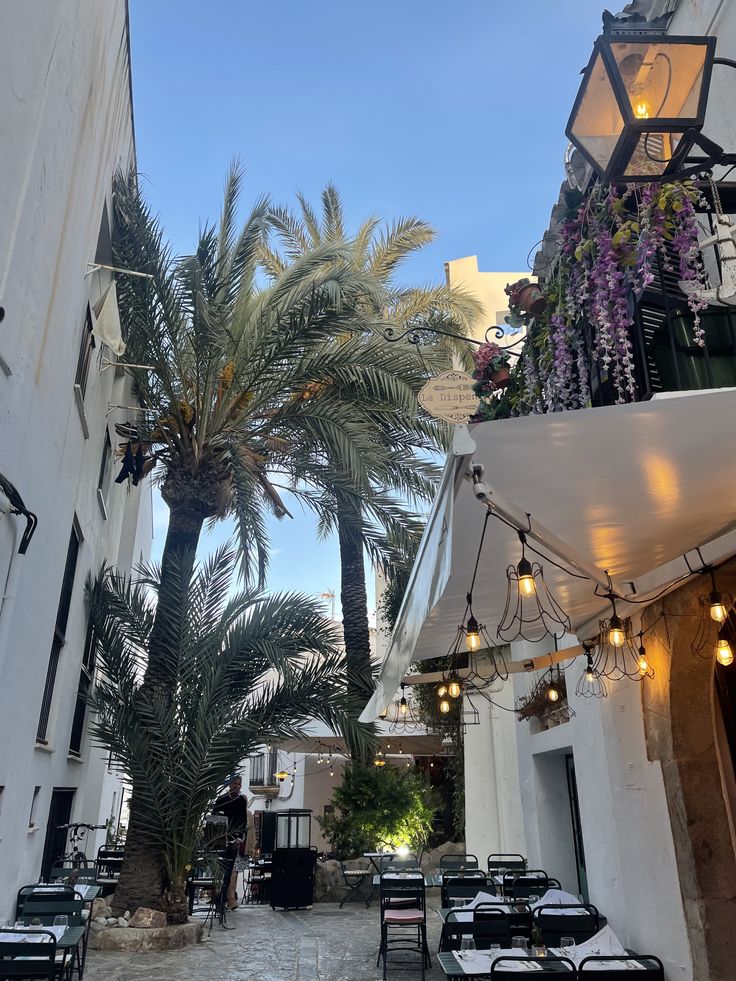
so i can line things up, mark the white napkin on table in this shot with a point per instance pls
(479, 962)
(28, 938)
(557, 897)
(604, 942)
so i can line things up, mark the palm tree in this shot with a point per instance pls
(369, 473)
(246, 668)
(220, 368)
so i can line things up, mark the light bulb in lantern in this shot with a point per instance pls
(552, 694)
(441, 690)
(332, 772)
(527, 585)
(642, 109)
(717, 607)
(403, 705)
(472, 635)
(616, 633)
(454, 689)
(444, 706)
(724, 654)
(642, 662)
(589, 674)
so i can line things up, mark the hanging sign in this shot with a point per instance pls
(450, 396)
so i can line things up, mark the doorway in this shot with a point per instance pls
(60, 811)
(577, 828)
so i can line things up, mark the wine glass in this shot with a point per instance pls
(518, 943)
(61, 920)
(467, 945)
(567, 946)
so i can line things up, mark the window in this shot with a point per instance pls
(59, 638)
(263, 768)
(103, 482)
(34, 801)
(85, 354)
(85, 683)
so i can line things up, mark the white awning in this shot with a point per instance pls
(631, 489)
(106, 321)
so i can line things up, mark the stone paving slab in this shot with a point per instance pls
(321, 944)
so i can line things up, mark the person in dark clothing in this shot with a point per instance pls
(234, 806)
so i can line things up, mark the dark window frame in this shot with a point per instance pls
(86, 678)
(86, 346)
(59, 636)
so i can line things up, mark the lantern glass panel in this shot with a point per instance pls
(598, 121)
(663, 80)
(652, 154)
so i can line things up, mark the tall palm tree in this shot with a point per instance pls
(246, 668)
(370, 475)
(220, 368)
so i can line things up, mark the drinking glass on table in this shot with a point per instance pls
(539, 950)
(519, 943)
(467, 944)
(61, 920)
(495, 950)
(567, 946)
(533, 900)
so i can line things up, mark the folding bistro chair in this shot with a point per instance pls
(458, 862)
(38, 960)
(504, 969)
(405, 919)
(650, 968)
(533, 882)
(108, 866)
(456, 887)
(488, 926)
(579, 921)
(501, 862)
(354, 879)
(58, 892)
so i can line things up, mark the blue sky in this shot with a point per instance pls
(451, 111)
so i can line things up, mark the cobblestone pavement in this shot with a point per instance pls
(322, 944)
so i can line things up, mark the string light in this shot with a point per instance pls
(403, 704)
(552, 694)
(526, 583)
(616, 632)
(724, 654)
(642, 662)
(441, 690)
(444, 706)
(454, 688)
(472, 635)
(531, 611)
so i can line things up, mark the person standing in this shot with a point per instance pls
(240, 835)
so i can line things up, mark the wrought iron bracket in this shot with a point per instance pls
(414, 335)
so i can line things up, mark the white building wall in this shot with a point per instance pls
(629, 852)
(65, 127)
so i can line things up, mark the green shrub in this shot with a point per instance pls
(378, 807)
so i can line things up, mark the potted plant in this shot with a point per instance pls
(525, 297)
(491, 368)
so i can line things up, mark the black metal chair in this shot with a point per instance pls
(44, 907)
(488, 925)
(457, 861)
(108, 866)
(581, 922)
(652, 969)
(405, 919)
(37, 961)
(533, 882)
(354, 880)
(42, 893)
(463, 887)
(501, 862)
(562, 964)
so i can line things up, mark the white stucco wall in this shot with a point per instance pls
(65, 127)
(630, 858)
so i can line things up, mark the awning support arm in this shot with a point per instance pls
(534, 529)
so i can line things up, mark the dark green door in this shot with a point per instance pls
(577, 830)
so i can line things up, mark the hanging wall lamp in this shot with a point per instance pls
(531, 611)
(641, 106)
(591, 684)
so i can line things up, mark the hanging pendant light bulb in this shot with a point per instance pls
(641, 660)
(724, 654)
(454, 688)
(441, 690)
(472, 634)
(716, 606)
(403, 704)
(444, 706)
(526, 582)
(553, 694)
(332, 771)
(589, 673)
(616, 632)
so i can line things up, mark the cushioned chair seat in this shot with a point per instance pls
(403, 916)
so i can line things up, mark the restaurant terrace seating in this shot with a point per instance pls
(403, 928)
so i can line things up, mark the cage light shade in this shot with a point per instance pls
(641, 93)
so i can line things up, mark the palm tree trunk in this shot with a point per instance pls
(143, 879)
(354, 599)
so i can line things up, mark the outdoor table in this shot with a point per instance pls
(87, 891)
(428, 879)
(375, 857)
(68, 940)
(455, 968)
